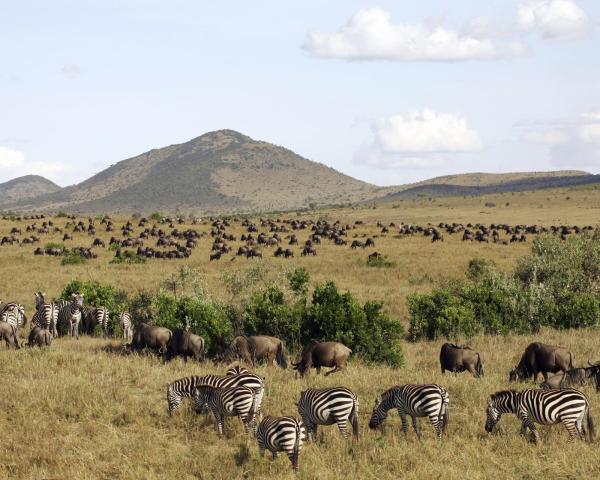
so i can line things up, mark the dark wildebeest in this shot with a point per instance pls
(257, 348)
(575, 377)
(539, 357)
(38, 337)
(151, 337)
(322, 354)
(455, 358)
(8, 333)
(185, 344)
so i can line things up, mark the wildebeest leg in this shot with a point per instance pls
(274, 455)
(472, 371)
(416, 427)
(318, 370)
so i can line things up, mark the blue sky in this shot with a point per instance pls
(388, 91)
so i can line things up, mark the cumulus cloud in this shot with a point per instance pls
(14, 164)
(571, 142)
(371, 35)
(553, 19)
(419, 138)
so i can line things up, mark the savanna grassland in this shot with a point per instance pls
(82, 410)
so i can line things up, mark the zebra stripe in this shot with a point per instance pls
(546, 407)
(229, 402)
(326, 406)
(46, 315)
(93, 316)
(281, 434)
(14, 314)
(69, 313)
(429, 401)
(126, 327)
(186, 388)
(236, 370)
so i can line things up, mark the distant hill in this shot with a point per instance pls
(26, 187)
(219, 172)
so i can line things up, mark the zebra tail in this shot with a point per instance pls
(250, 418)
(296, 451)
(354, 419)
(590, 425)
(444, 415)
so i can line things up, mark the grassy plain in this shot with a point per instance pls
(79, 410)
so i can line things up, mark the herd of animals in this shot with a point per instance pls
(171, 241)
(240, 392)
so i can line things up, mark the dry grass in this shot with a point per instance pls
(81, 410)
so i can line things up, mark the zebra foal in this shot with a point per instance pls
(546, 407)
(281, 434)
(429, 401)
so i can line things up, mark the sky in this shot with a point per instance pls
(390, 92)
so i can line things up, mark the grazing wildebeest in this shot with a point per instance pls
(8, 333)
(39, 337)
(185, 344)
(151, 337)
(455, 358)
(257, 348)
(539, 357)
(575, 377)
(322, 354)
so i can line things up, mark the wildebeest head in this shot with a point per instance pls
(519, 373)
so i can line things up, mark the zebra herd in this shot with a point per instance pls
(68, 313)
(240, 393)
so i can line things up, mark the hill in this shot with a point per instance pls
(28, 186)
(222, 171)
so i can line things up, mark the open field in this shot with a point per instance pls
(80, 410)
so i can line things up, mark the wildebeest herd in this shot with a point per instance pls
(240, 392)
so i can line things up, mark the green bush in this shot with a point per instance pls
(97, 294)
(298, 279)
(156, 216)
(380, 262)
(72, 258)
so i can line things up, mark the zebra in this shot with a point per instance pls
(326, 406)
(125, 323)
(186, 387)
(237, 401)
(93, 316)
(428, 400)
(236, 370)
(546, 407)
(69, 313)
(281, 434)
(14, 314)
(46, 315)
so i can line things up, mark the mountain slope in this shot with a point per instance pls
(28, 186)
(222, 171)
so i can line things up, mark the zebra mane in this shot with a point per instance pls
(503, 394)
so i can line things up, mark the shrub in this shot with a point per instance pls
(72, 258)
(380, 262)
(156, 216)
(298, 279)
(96, 293)
(61, 214)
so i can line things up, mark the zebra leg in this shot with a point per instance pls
(343, 426)
(415, 424)
(573, 430)
(274, 453)
(220, 419)
(404, 424)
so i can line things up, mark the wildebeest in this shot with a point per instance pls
(39, 337)
(8, 333)
(539, 357)
(151, 337)
(322, 354)
(456, 358)
(257, 348)
(575, 377)
(185, 344)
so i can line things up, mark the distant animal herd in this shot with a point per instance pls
(171, 241)
(240, 392)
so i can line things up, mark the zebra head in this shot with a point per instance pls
(39, 299)
(492, 417)
(380, 410)
(77, 299)
(499, 403)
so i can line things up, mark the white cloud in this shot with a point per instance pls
(13, 164)
(420, 139)
(370, 35)
(549, 137)
(553, 19)
(590, 133)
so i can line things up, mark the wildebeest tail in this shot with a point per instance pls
(479, 366)
(296, 450)
(571, 360)
(354, 419)
(281, 358)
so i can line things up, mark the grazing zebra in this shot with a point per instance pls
(46, 315)
(186, 387)
(229, 402)
(69, 313)
(326, 406)
(546, 407)
(236, 370)
(281, 434)
(416, 401)
(14, 314)
(126, 327)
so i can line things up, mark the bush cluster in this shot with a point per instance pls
(557, 285)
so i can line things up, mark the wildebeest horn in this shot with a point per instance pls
(595, 364)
